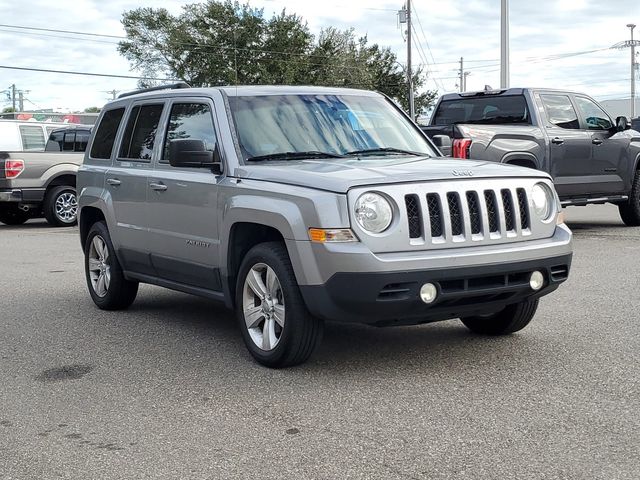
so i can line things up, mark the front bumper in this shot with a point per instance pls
(384, 289)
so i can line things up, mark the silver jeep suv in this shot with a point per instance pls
(295, 205)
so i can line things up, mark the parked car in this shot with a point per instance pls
(68, 139)
(296, 205)
(591, 158)
(25, 136)
(36, 184)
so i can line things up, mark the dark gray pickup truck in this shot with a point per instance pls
(591, 158)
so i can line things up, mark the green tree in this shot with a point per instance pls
(8, 110)
(226, 43)
(92, 110)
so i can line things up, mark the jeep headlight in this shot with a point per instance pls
(543, 201)
(373, 212)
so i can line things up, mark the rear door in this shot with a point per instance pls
(183, 202)
(127, 181)
(569, 145)
(608, 150)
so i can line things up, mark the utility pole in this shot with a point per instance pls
(21, 100)
(632, 44)
(504, 44)
(463, 76)
(633, 72)
(412, 109)
(13, 96)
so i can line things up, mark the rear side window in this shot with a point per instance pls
(192, 121)
(54, 144)
(489, 109)
(32, 137)
(140, 134)
(106, 134)
(82, 138)
(69, 140)
(560, 111)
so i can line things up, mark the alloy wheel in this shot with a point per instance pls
(99, 266)
(263, 306)
(66, 207)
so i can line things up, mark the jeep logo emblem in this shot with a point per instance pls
(462, 173)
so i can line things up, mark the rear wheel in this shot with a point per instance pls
(12, 215)
(61, 206)
(513, 318)
(108, 287)
(276, 326)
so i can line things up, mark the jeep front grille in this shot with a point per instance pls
(469, 215)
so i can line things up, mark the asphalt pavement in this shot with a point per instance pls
(167, 389)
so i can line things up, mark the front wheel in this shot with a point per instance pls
(509, 320)
(276, 326)
(108, 287)
(630, 211)
(12, 215)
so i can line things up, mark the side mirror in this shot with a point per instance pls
(443, 142)
(192, 153)
(622, 123)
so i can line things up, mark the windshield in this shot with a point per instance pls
(490, 109)
(289, 127)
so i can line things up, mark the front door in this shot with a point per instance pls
(569, 145)
(608, 150)
(183, 203)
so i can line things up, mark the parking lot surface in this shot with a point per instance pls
(167, 389)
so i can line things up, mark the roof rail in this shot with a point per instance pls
(170, 86)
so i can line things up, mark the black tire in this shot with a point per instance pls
(513, 318)
(630, 211)
(12, 215)
(301, 332)
(50, 200)
(120, 292)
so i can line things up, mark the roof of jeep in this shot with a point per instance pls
(249, 90)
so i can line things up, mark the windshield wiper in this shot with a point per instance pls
(293, 156)
(387, 150)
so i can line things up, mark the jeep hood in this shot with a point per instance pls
(339, 175)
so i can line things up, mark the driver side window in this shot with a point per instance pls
(593, 115)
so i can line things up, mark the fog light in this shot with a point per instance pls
(428, 293)
(536, 281)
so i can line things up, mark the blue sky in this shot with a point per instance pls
(541, 33)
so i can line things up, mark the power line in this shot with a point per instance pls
(67, 72)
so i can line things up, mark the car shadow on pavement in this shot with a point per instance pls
(30, 225)
(345, 346)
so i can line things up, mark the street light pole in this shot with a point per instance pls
(504, 44)
(633, 72)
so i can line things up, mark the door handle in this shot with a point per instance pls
(596, 141)
(114, 182)
(557, 141)
(160, 187)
